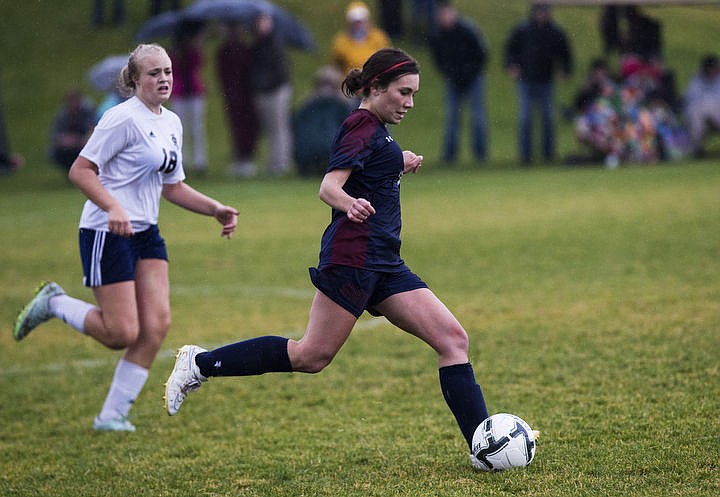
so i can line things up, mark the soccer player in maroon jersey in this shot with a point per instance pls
(360, 268)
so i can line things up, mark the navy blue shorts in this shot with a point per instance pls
(109, 258)
(357, 290)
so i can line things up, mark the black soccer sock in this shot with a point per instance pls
(464, 397)
(250, 357)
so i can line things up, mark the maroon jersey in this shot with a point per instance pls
(364, 145)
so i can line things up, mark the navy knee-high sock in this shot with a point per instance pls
(464, 397)
(250, 357)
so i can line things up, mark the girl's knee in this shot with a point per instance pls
(454, 343)
(461, 339)
(121, 336)
(155, 331)
(161, 328)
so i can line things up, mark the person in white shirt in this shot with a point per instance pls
(702, 102)
(133, 157)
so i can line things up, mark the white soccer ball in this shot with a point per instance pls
(503, 441)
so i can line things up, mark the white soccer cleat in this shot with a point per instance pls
(116, 424)
(185, 378)
(37, 311)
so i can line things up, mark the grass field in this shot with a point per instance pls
(591, 297)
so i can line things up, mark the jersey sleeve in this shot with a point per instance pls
(353, 144)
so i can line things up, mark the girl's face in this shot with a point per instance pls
(154, 84)
(391, 104)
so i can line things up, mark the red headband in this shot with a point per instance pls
(388, 70)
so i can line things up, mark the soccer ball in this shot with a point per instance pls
(503, 441)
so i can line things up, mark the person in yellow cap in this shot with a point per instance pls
(359, 40)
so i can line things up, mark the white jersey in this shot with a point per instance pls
(136, 152)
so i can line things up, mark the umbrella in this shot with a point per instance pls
(159, 26)
(103, 76)
(291, 29)
(225, 10)
(293, 32)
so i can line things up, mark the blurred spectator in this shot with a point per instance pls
(643, 35)
(625, 29)
(533, 52)
(158, 6)
(9, 162)
(272, 90)
(98, 12)
(391, 18)
(651, 74)
(598, 124)
(188, 95)
(598, 83)
(359, 40)
(316, 121)
(71, 128)
(702, 102)
(610, 29)
(422, 19)
(111, 99)
(234, 66)
(627, 120)
(460, 53)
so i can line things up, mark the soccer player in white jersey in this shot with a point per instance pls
(132, 158)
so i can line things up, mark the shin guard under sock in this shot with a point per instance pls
(250, 357)
(464, 397)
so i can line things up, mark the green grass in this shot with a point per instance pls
(591, 298)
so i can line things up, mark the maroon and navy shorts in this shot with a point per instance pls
(357, 290)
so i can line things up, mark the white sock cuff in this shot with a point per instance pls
(128, 372)
(71, 310)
